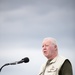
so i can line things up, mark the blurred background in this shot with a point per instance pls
(23, 26)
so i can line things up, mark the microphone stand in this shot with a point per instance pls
(24, 60)
(3, 66)
(14, 63)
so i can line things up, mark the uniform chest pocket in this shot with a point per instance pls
(53, 71)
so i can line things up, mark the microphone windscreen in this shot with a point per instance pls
(25, 60)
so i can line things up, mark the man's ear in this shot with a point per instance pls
(55, 47)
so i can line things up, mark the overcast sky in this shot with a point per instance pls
(23, 26)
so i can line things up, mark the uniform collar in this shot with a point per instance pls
(52, 61)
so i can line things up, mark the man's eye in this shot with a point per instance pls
(47, 45)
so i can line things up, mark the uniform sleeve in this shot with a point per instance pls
(66, 68)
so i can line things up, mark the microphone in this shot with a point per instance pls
(24, 60)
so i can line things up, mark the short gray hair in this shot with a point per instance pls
(53, 40)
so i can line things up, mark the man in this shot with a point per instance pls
(56, 65)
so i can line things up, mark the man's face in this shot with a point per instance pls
(48, 48)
